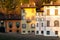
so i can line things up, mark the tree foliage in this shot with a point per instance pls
(40, 2)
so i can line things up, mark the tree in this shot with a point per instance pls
(25, 1)
(40, 2)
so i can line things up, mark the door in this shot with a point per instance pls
(2, 28)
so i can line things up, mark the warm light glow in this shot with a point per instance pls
(34, 4)
(21, 3)
(28, 5)
(30, 12)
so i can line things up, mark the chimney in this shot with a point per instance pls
(51, 2)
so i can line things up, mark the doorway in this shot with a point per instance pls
(2, 28)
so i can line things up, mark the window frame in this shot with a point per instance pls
(48, 23)
(24, 25)
(17, 24)
(32, 25)
(56, 23)
(48, 32)
(10, 24)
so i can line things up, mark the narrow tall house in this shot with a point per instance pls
(28, 13)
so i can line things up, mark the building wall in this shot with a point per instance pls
(14, 28)
(49, 29)
(52, 17)
(29, 15)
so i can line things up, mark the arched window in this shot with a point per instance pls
(10, 24)
(17, 24)
(32, 25)
(56, 23)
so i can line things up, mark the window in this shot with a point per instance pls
(10, 30)
(23, 31)
(17, 24)
(48, 23)
(56, 23)
(41, 14)
(37, 24)
(32, 25)
(48, 12)
(37, 19)
(17, 31)
(22, 10)
(42, 32)
(23, 25)
(23, 17)
(1, 23)
(10, 24)
(56, 11)
(48, 32)
(42, 24)
(33, 31)
(56, 32)
(37, 32)
(37, 14)
(28, 31)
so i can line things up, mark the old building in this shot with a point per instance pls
(49, 26)
(28, 13)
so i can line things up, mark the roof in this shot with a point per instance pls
(28, 6)
(57, 3)
(52, 5)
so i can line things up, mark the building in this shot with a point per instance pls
(49, 26)
(10, 22)
(52, 13)
(40, 23)
(28, 13)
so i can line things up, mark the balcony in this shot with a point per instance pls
(13, 17)
(2, 16)
(10, 17)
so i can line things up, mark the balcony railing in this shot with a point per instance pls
(10, 17)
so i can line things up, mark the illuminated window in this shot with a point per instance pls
(17, 24)
(2, 23)
(23, 25)
(56, 23)
(56, 11)
(32, 25)
(56, 32)
(48, 23)
(48, 12)
(10, 24)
